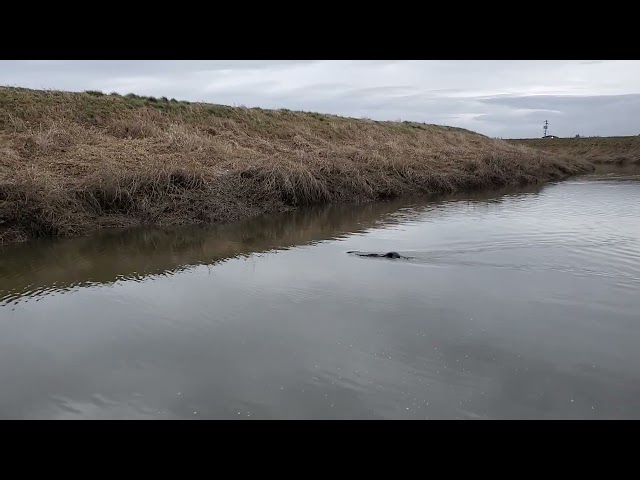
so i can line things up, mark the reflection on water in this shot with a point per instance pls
(42, 267)
(511, 305)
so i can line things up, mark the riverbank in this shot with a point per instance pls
(71, 163)
(622, 151)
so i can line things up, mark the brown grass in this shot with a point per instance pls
(597, 150)
(74, 162)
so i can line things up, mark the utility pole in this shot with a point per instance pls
(546, 125)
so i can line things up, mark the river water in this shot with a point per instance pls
(521, 304)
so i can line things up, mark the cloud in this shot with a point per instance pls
(604, 115)
(507, 98)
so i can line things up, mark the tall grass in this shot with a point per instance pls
(74, 162)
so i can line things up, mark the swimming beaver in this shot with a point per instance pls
(379, 255)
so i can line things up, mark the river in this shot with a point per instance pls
(513, 304)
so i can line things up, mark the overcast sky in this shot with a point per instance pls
(500, 98)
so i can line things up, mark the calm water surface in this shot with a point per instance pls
(515, 305)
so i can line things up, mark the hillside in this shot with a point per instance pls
(597, 150)
(74, 162)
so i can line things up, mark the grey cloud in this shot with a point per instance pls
(503, 98)
(552, 102)
(568, 115)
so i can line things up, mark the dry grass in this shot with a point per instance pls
(74, 162)
(597, 150)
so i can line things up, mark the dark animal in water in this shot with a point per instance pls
(379, 255)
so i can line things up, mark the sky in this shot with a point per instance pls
(499, 98)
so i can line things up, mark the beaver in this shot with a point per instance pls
(379, 255)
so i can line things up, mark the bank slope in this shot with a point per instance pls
(74, 162)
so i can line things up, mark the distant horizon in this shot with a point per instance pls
(497, 98)
(309, 111)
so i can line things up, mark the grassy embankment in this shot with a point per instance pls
(74, 162)
(621, 151)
